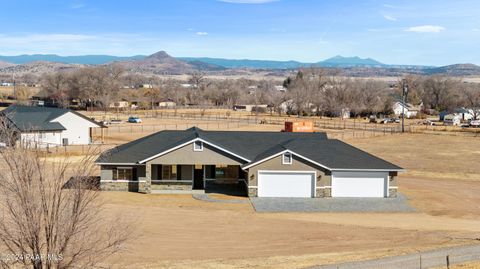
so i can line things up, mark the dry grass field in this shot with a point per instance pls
(177, 231)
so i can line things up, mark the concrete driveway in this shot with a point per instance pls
(398, 204)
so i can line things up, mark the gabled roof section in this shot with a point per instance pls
(337, 155)
(146, 147)
(244, 145)
(35, 118)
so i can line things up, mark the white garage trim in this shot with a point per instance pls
(367, 170)
(360, 184)
(280, 153)
(313, 184)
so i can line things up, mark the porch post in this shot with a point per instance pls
(146, 186)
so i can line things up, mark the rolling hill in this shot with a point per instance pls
(456, 70)
(162, 63)
(340, 61)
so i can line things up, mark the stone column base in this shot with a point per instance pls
(252, 192)
(392, 193)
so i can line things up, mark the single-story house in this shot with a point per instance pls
(410, 110)
(120, 104)
(268, 164)
(456, 117)
(249, 108)
(168, 103)
(48, 126)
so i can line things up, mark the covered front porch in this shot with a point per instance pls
(198, 178)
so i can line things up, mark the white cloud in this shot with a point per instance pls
(426, 29)
(202, 33)
(389, 18)
(248, 1)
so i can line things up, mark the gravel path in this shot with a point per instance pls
(429, 259)
(205, 197)
(398, 204)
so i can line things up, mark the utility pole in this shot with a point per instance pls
(404, 100)
(14, 87)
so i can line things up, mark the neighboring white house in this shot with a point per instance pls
(167, 104)
(410, 110)
(46, 126)
(457, 117)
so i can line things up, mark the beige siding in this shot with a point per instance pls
(323, 176)
(186, 155)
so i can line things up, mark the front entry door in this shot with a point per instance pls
(198, 178)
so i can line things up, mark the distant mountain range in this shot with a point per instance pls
(337, 61)
(84, 59)
(161, 63)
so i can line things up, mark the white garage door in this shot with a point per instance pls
(359, 184)
(282, 184)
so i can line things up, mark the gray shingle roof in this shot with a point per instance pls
(338, 155)
(252, 146)
(35, 118)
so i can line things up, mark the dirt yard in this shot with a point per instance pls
(442, 182)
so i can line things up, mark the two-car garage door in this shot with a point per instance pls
(286, 184)
(359, 184)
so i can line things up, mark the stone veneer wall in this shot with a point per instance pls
(324, 193)
(119, 186)
(252, 192)
(392, 193)
(172, 186)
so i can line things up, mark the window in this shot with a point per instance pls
(169, 172)
(287, 158)
(226, 172)
(198, 146)
(123, 173)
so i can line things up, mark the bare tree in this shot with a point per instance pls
(372, 96)
(299, 92)
(441, 93)
(56, 86)
(471, 98)
(23, 94)
(49, 216)
(318, 83)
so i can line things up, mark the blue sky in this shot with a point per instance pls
(422, 32)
